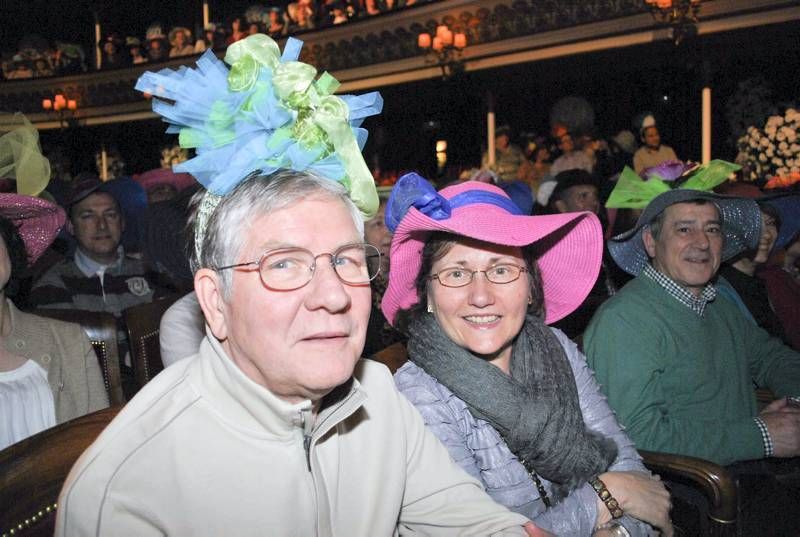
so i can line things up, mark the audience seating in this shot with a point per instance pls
(33, 471)
(101, 329)
(713, 483)
(142, 323)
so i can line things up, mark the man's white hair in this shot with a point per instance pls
(254, 197)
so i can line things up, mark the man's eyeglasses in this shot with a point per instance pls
(459, 277)
(287, 269)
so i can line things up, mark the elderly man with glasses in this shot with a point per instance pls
(276, 426)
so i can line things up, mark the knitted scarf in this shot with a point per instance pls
(535, 409)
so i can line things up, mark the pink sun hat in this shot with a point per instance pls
(164, 176)
(38, 221)
(570, 244)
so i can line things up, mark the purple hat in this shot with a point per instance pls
(38, 221)
(571, 243)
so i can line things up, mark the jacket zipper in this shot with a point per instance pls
(307, 447)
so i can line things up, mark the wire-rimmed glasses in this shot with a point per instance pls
(459, 276)
(286, 269)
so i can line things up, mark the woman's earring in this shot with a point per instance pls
(530, 300)
(430, 307)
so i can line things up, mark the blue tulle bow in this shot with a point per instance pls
(415, 191)
(412, 190)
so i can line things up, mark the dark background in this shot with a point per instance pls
(619, 83)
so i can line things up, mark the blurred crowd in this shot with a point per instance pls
(38, 57)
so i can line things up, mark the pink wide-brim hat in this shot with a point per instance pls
(164, 176)
(37, 220)
(569, 257)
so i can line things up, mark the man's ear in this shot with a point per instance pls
(560, 205)
(649, 242)
(207, 285)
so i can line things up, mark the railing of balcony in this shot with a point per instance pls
(383, 50)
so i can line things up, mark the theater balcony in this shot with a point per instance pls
(383, 50)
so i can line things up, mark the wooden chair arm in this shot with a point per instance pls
(715, 482)
(33, 471)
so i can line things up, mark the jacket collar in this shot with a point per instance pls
(245, 404)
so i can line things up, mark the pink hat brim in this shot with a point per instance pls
(164, 176)
(37, 220)
(571, 244)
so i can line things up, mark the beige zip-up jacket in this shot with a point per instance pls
(203, 450)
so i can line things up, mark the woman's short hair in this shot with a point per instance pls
(436, 246)
(255, 196)
(17, 254)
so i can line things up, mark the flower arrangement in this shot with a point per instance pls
(771, 152)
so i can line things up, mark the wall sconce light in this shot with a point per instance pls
(680, 15)
(444, 49)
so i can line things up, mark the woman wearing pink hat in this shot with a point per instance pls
(49, 373)
(473, 282)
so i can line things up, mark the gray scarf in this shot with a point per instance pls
(535, 409)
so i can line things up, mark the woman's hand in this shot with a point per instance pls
(641, 496)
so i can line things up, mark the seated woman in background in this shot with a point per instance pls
(473, 282)
(762, 293)
(740, 273)
(782, 279)
(49, 373)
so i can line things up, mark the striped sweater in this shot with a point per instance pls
(65, 286)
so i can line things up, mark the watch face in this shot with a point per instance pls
(620, 531)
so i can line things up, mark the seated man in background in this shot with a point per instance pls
(678, 360)
(653, 152)
(574, 191)
(275, 425)
(99, 276)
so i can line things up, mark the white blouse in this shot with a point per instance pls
(26, 403)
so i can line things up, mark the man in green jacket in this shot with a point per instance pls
(678, 360)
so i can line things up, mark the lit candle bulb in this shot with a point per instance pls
(424, 40)
(447, 38)
(441, 29)
(460, 40)
(72, 104)
(47, 104)
(437, 43)
(664, 4)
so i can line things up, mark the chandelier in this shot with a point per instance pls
(680, 15)
(64, 107)
(444, 49)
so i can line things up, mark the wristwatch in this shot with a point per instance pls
(613, 529)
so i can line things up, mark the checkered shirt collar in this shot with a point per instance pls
(697, 305)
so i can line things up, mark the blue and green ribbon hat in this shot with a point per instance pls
(267, 111)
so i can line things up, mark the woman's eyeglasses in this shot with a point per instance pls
(459, 277)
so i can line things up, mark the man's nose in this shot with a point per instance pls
(702, 240)
(328, 290)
